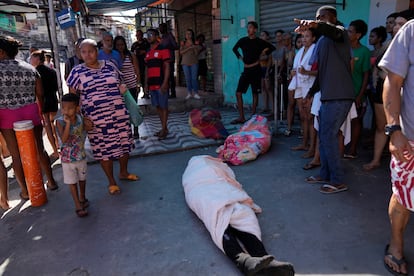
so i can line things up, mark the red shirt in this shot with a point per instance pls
(155, 63)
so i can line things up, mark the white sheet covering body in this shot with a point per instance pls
(214, 195)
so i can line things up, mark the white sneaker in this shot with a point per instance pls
(188, 97)
(197, 97)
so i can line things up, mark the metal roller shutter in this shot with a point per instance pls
(275, 14)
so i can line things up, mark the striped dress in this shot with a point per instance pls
(128, 73)
(102, 102)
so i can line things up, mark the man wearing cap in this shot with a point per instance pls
(333, 55)
(74, 60)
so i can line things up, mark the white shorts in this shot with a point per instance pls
(74, 172)
(299, 93)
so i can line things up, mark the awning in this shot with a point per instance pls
(108, 6)
(11, 6)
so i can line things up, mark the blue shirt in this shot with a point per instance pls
(114, 57)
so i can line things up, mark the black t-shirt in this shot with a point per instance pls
(139, 46)
(49, 81)
(252, 49)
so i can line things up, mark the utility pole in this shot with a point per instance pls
(53, 34)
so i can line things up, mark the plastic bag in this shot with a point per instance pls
(136, 116)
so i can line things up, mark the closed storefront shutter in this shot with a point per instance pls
(275, 15)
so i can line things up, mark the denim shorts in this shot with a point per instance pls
(159, 99)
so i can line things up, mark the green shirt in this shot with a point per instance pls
(361, 64)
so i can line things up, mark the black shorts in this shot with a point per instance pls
(251, 76)
(202, 67)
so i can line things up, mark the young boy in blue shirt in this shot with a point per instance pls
(72, 135)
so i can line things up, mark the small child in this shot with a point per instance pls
(71, 132)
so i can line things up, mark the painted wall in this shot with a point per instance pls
(242, 12)
(355, 10)
(373, 12)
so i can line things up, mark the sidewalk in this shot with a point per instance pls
(149, 230)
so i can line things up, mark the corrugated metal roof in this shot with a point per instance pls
(107, 6)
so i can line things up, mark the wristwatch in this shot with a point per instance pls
(390, 129)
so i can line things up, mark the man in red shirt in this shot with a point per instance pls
(158, 72)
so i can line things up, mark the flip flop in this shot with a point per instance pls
(316, 180)
(369, 167)
(52, 188)
(130, 177)
(114, 189)
(399, 262)
(299, 148)
(333, 189)
(311, 166)
(81, 213)
(237, 121)
(85, 203)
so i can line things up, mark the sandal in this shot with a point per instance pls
(81, 212)
(328, 189)
(316, 180)
(84, 203)
(237, 121)
(130, 177)
(114, 189)
(311, 166)
(308, 154)
(399, 262)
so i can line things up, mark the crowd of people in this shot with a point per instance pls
(323, 70)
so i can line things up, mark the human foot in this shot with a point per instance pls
(394, 262)
(370, 166)
(308, 154)
(81, 213)
(4, 204)
(299, 148)
(52, 186)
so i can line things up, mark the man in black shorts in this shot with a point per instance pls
(252, 47)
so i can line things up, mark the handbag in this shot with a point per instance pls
(136, 116)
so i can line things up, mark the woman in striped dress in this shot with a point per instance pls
(103, 107)
(129, 69)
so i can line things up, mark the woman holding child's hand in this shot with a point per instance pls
(105, 113)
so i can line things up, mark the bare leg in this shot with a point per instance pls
(240, 106)
(164, 119)
(4, 150)
(380, 138)
(291, 109)
(82, 190)
(11, 141)
(108, 167)
(123, 166)
(50, 134)
(4, 199)
(44, 158)
(356, 126)
(75, 196)
(52, 116)
(266, 99)
(399, 217)
(304, 125)
(255, 103)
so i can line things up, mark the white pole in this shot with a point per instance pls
(53, 34)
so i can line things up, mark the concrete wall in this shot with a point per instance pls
(242, 12)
